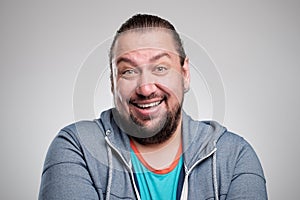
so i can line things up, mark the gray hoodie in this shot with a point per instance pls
(91, 160)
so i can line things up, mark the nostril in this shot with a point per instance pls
(146, 89)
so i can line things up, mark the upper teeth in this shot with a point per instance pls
(148, 104)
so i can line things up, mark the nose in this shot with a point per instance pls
(146, 84)
(146, 89)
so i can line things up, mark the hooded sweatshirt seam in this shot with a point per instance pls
(248, 173)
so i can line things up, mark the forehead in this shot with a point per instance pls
(135, 41)
(144, 56)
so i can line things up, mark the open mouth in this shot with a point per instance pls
(147, 105)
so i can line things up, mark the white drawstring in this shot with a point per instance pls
(215, 181)
(110, 167)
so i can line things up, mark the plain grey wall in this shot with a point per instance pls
(254, 44)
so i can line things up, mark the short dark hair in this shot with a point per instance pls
(140, 21)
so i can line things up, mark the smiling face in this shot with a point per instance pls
(149, 84)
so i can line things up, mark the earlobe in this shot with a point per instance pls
(186, 75)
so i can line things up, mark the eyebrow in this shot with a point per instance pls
(157, 57)
(127, 60)
(133, 63)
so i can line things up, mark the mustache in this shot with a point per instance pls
(139, 97)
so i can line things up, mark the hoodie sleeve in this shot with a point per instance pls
(65, 174)
(248, 180)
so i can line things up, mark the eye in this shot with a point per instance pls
(160, 69)
(128, 73)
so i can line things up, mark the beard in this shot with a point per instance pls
(138, 131)
(168, 128)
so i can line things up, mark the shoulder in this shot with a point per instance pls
(82, 133)
(234, 150)
(81, 127)
(85, 128)
(233, 144)
(232, 139)
(73, 142)
(77, 136)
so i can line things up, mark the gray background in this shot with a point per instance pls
(254, 44)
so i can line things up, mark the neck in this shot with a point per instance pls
(160, 156)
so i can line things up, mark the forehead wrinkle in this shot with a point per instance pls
(131, 41)
(140, 57)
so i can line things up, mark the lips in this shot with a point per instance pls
(147, 105)
(146, 110)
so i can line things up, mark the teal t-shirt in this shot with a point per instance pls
(154, 185)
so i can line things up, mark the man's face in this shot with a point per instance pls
(149, 82)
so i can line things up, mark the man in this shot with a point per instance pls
(147, 147)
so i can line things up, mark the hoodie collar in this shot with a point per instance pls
(199, 138)
(116, 136)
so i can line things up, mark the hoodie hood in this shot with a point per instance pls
(199, 138)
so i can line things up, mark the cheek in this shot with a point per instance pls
(173, 84)
(123, 91)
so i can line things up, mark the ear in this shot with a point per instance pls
(112, 85)
(186, 75)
